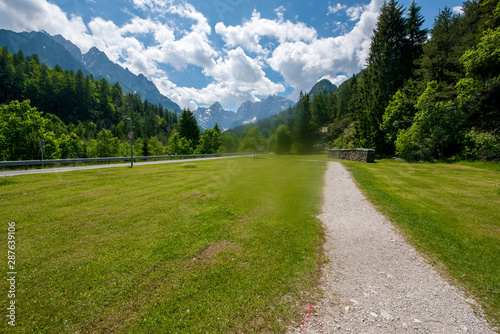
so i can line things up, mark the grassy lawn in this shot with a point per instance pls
(451, 212)
(224, 246)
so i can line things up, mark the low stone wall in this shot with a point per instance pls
(354, 154)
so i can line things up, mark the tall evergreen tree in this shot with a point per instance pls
(106, 107)
(318, 109)
(188, 127)
(304, 130)
(415, 34)
(386, 72)
(442, 53)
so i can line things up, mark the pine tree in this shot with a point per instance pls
(416, 36)
(304, 130)
(386, 72)
(319, 109)
(188, 127)
(441, 61)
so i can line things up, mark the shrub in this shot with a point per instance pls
(482, 145)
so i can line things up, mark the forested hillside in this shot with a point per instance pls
(69, 111)
(78, 116)
(424, 95)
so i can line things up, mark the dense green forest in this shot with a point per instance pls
(78, 116)
(424, 95)
(420, 97)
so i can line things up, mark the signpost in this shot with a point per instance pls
(130, 136)
(42, 148)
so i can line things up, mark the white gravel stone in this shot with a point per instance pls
(372, 264)
(386, 315)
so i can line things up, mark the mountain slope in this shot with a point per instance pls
(54, 50)
(98, 63)
(250, 112)
(320, 86)
(48, 50)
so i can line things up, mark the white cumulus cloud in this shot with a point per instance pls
(248, 35)
(458, 10)
(237, 78)
(336, 8)
(302, 64)
(354, 12)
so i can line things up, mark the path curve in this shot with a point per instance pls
(375, 282)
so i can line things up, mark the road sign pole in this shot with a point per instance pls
(131, 155)
(131, 136)
(42, 148)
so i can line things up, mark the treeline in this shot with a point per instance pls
(23, 127)
(75, 98)
(420, 98)
(78, 116)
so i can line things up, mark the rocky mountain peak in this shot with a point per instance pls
(248, 112)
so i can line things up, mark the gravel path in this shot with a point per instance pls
(375, 282)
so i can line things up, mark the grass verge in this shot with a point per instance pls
(450, 212)
(229, 246)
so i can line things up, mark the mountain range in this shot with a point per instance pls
(248, 112)
(56, 50)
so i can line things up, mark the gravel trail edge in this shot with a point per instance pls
(374, 281)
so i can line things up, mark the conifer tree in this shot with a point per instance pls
(441, 61)
(386, 72)
(304, 130)
(188, 127)
(415, 34)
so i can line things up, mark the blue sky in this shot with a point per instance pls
(198, 52)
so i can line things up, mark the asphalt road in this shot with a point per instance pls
(70, 169)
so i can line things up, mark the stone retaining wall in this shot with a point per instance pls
(354, 154)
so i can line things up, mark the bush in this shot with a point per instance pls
(482, 146)
(178, 145)
(435, 131)
(282, 140)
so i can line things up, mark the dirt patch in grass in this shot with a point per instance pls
(212, 250)
(196, 195)
(199, 195)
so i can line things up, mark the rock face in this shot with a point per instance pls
(48, 49)
(208, 117)
(248, 112)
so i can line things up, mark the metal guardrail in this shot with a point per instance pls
(27, 163)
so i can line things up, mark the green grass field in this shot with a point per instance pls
(451, 212)
(223, 246)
